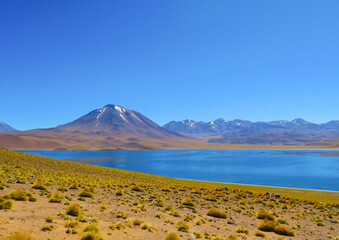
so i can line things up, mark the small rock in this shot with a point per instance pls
(190, 236)
(68, 231)
(232, 223)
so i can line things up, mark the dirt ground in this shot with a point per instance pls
(103, 210)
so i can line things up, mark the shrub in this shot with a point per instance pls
(260, 234)
(262, 214)
(62, 188)
(91, 236)
(6, 203)
(20, 235)
(137, 222)
(117, 226)
(73, 210)
(103, 208)
(23, 181)
(320, 224)
(39, 185)
(166, 189)
(119, 192)
(271, 204)
(168, 208)
(92, 228)
(187, 202)
(91, 232)
(137, 188)
(71, 224)
(241, 229)
(188, 218)
(86, 192)
(18, 194)
(56, 198)
(214, 212)
(47, 228)
(200, 222)
(267, 225)
(172, 236)
(121, 214)
(182, 226)
(211, 198)
(196, 191)
(145, 226)
(49, 219)
(74, 185)
(174, 213)
(32, 199)
(197, 234)
(283, 230)
(159, 202)
(281, 221)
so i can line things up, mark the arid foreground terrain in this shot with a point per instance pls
(43, 198)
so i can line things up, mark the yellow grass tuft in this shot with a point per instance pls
(18, 195)
(19, 235)
(172, 236)
(86, 192)
(39, 185)
(214, 212)
(6, 203)
(74, 185)
(283, 230)
(267, 225)
(73, 210)
(182, 226)
(187, 202)
(262, 214)
(56, 198)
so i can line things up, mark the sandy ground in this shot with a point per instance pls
(30, 216)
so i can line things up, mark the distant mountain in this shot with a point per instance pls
(217, 127)
(118, 121)
(110, 127)
(5, 128)
(247, 132)
(115, 127)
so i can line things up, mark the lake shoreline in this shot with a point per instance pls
(146, 149)
(263, 186)
(267, 169)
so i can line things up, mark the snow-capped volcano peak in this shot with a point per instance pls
(120, 109)
(115, 119)
(299, 121)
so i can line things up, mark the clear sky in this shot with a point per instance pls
(170, 60)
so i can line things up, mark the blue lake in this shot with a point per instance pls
(309, 169)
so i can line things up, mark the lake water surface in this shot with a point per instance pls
(283, 168)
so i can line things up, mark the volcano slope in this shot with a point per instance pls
(109, 127)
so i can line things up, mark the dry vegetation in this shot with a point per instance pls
(43, 198)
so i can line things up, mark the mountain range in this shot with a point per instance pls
(116, 127)
(5, 127)
(246, 132)
(110, 127)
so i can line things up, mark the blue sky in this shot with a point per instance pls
(170, 60)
